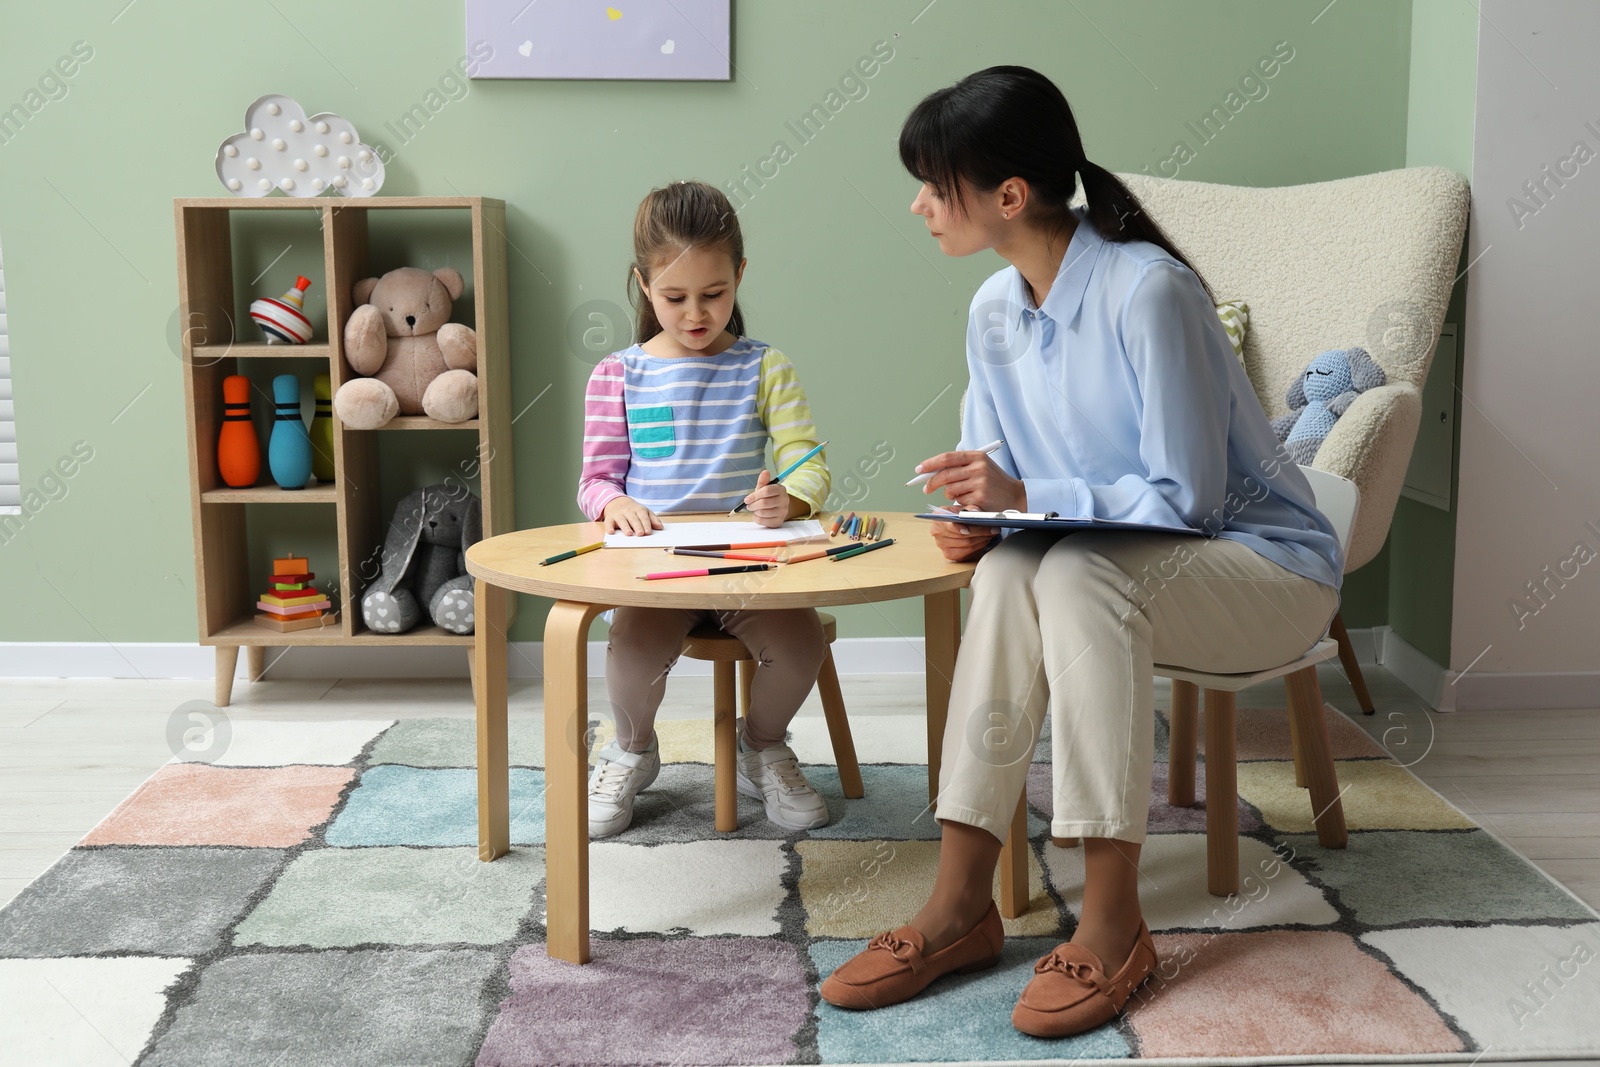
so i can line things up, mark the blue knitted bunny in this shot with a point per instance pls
(1319, 396)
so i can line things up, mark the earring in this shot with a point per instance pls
(1005, 214)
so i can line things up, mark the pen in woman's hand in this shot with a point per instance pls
(988, 450)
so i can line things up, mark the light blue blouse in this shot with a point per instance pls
(1121, 398)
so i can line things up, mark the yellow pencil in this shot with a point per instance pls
(558, 557)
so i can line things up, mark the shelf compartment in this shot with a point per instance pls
(423, 422)
(272, 494)
(262, 350)
(244, 632)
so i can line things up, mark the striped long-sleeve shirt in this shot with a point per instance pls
(690, 433)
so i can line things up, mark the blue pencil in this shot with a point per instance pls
(790, 469)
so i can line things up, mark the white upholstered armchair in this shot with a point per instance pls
(1365, 261)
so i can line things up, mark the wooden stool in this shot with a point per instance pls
(724, 650)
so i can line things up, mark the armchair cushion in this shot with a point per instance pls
(1235, 316)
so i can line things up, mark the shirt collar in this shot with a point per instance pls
(1061, 303)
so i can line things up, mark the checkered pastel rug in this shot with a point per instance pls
(313, 896)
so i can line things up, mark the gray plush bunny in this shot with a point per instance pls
(425, 562)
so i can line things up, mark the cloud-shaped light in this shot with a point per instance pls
(281, 148)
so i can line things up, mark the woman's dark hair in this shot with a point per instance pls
(1012, 122)
(671, 220)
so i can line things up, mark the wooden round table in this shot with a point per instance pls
(586, 585)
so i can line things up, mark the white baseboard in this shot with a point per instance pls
(1422, 675)
(1366, 641)
(524, 659)
(1438, 687)
(1447, 690)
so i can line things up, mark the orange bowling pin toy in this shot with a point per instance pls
(238, 450)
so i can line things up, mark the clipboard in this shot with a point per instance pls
(1049, 520)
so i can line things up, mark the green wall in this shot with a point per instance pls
(841, 276)
(1422, 539)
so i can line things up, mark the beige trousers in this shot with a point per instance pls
(1074, 624)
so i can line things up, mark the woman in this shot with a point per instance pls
(1098, 359)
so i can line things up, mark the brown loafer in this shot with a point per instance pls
(893, 967)
(1070, 993)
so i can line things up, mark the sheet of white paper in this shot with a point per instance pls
(686, 534)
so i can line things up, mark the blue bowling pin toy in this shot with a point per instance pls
(289, 449)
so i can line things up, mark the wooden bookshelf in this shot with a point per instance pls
(225, 585)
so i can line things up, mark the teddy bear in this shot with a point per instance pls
(1331, 382)
(412, 358)
(424, 568)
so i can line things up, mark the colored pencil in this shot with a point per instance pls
(707, 571)
(559, 556)
(838, 520)
(856, 550)
(790, 469)
(736, 546)
(722, 555)
(820, 553)
(988, 450)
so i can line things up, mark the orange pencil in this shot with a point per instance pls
(822, 552)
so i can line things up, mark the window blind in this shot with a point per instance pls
(10, 484)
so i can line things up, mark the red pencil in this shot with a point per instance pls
(742, 544)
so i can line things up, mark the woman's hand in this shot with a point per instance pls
(973, 480)
(771, 505)
(962, 544)
(626, 515)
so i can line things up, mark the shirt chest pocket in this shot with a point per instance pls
(651, 433)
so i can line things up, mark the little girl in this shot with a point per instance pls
(680, 422)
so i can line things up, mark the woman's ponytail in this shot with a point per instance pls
(1118, 215)
(1013, 122)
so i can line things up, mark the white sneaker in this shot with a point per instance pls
(617, 778)
(773, 776)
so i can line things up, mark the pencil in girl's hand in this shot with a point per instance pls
(857, 550)
(790, 469)
(707, 571)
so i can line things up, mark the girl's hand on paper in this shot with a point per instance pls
(974, 481)
(770, 505)
(626, 515)
(962, 544)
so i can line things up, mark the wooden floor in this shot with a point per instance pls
(70, 749)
